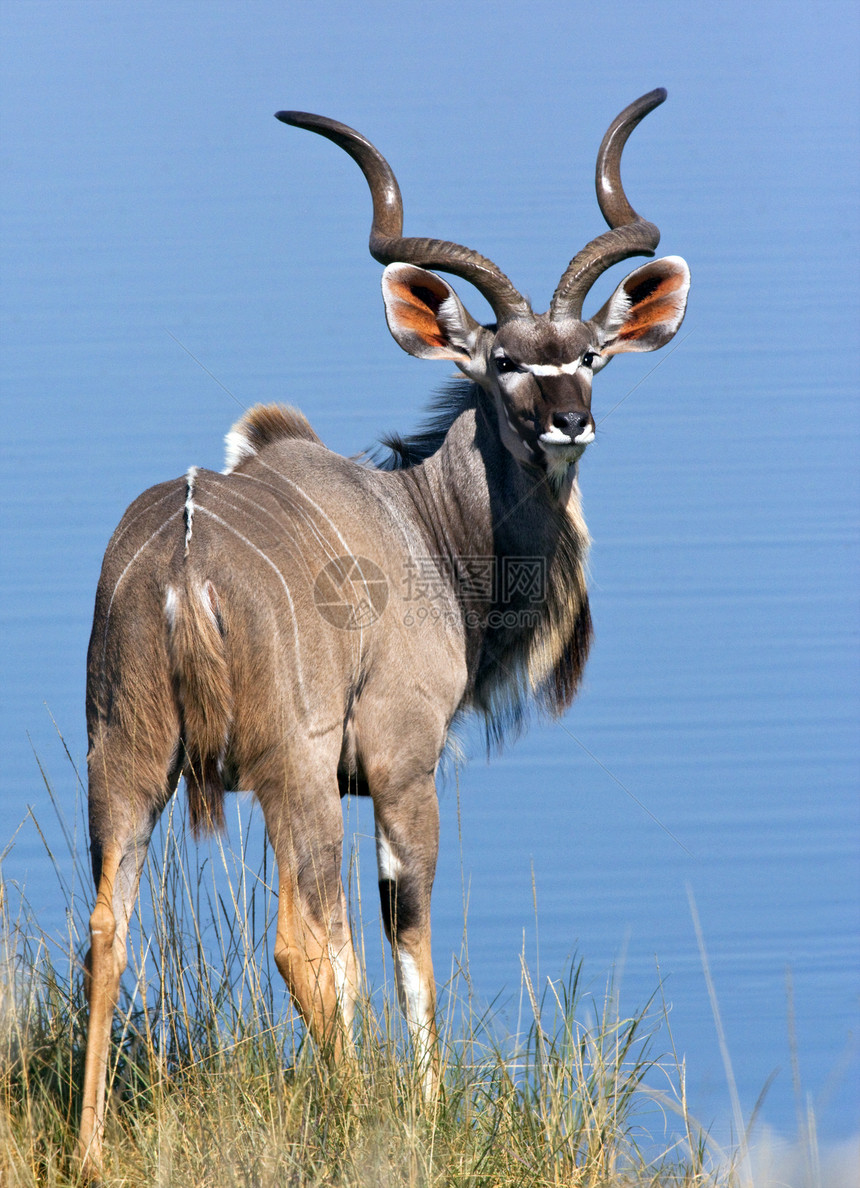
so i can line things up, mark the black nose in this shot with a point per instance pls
(571, 423)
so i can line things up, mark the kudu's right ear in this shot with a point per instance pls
(426, 317)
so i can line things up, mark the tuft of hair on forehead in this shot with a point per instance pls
(541, 341)
(259, 427)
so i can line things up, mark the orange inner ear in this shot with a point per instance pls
(653, 312)
(416, 309)
(656, 305)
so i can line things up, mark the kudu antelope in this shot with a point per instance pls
(304, 624)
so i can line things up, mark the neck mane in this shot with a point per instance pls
(513, 550)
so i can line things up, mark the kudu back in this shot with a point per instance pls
(304, 624)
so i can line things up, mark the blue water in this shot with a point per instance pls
(173, 255)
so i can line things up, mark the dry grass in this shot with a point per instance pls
(211, 1084)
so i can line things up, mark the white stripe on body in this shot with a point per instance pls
(145, 545)
(324, 544)
(280, 524)
(133, 519)
(314, 505)
(346, 547)
(299, 673)
(189, 505)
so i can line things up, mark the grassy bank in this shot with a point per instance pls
(211, 1084)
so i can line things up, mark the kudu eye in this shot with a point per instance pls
(505, 364)
(588, 359)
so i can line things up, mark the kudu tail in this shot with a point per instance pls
(204, 688)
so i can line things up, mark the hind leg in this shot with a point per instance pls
(127, 791)
(315, 957)
(313, 945)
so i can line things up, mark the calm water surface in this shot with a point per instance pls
(156, 212)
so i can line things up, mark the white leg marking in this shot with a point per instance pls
(345, 991)
(386, 860)
(413, 997)
(415, 1004)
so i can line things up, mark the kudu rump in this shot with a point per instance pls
(304, 624)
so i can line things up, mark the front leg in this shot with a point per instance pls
(407, 842)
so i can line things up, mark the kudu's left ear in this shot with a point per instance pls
(425, 315)
(646, 309)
